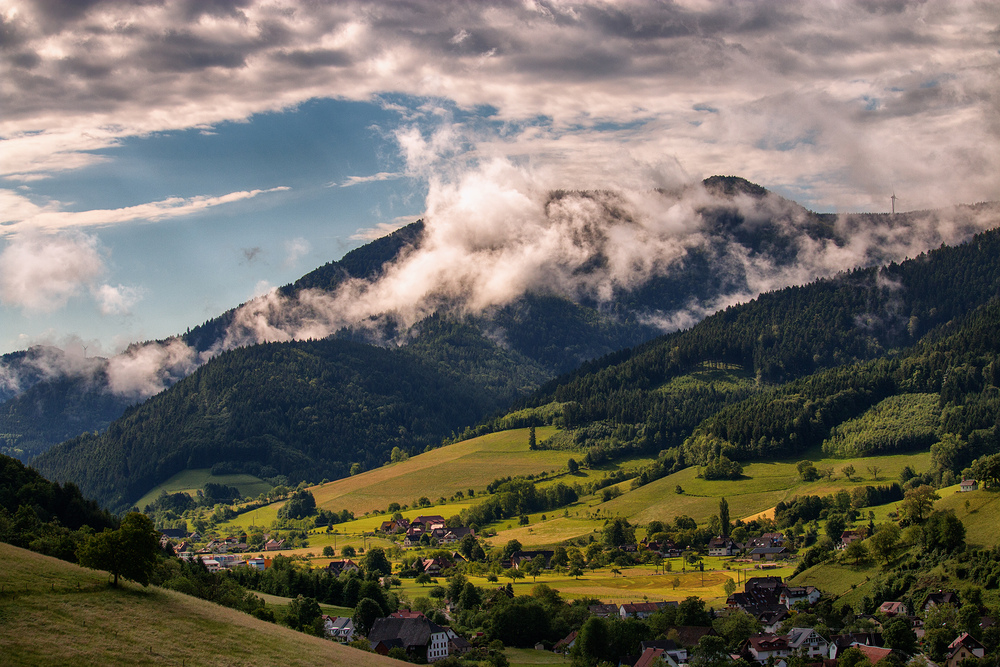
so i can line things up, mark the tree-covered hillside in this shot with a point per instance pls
(308, 410)
(865, 314)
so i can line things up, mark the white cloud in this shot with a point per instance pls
(22, 214)
(374, 178)
(295, 249)
(116, 300)
(840, 97)
(41, 273)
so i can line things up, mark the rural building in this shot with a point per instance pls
(721, 546)
(807, 641)
(339, 628)
(968, 485)
(421, 639)
(964, 646)
(893, 609)
(839, 643)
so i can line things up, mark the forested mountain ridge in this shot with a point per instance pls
(492, 357)
(861, 315)
(307, 409)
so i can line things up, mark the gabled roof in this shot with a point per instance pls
(649, 657)
(967, 640)
(411, 632)
(874, 653)
(768, 642)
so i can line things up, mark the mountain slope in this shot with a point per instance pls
(862, 315)
(746, 237)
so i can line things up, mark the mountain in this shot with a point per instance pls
(827, 365)
(743, 239)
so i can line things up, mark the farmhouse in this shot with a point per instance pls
(420, 638)
(339, 628)
(338, 567)
(968, 485)
(721, 546)
(770, 553)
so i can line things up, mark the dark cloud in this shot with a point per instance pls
(316, 58)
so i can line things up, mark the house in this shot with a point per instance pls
(275, 545)
(939, 598)
(849, 536)
(764, 647)
(964, 646)
(769, 553)
(339, 567)
(839, 643)
(688, 635)
(721, 546)
(893, 609)
(638, 610)
(519, 558)
(432, 566)
(257, 563)
(452, 535)
(792, 595)
(808, 642)
(968, 485)
(566, 643)
(419, 637)
(457, 645)
(604, 610)
(771, 619)
(338, 628)
(406, 613)
(655, 657)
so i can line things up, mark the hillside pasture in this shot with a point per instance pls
(981, 518)
(763, 486)
(192, 481)
(57, 613)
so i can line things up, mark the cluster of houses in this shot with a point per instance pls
(767, 547)
(770, 600)
(433, 526)
(230, 544)
(421, 639)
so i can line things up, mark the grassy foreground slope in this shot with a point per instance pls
(56, 613)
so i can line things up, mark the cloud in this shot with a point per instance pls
(358, 180)
(835, 100)
(144, 370)
(295, 249)
(42, 273)
(117, 300)
(23, 214)
(383, 228)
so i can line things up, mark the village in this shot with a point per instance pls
(772, 614)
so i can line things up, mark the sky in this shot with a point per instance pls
(162, 161)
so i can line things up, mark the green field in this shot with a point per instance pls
(765, 484)
(190, 481)
(56, 613)
(529, 657)
(635, 584)
(441, 472)
(981, 518)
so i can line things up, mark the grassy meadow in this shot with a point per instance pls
(190, 481)
(56, 613)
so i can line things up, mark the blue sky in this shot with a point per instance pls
(161, 162)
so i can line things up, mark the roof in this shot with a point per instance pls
(768, 550)
(410, 631)
(967, 640)
(874, 653)
(688, 635)
(968, 482)
(796, 636)
(648, 657)
(768, 642)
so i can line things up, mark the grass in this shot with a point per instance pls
(528, 657)
(635, 584)
(981, 518)
(763, 486)
(190, 481)
(66, 615)
(441, 472)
